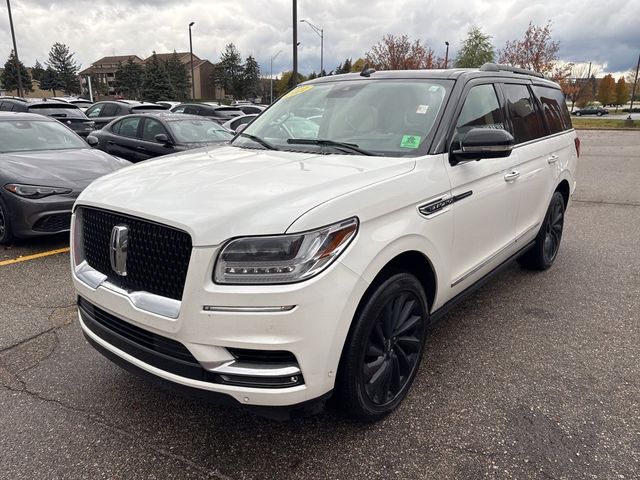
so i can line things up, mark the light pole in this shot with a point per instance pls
(635, 84)
(295, 42)
(446, 56)
(320, 33)
(193, 80)
(15, 50)
(271, 76)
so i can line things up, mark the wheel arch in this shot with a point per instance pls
(565, 190)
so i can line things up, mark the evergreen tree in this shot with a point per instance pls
(344, 67)
(476, 50)
(62, 62)
(50, 81)
(157, 85)
(312, 75)
(9, 77)
(37, 71)
(251, 84)
(129, 79)
(229, 73)
(179, 77)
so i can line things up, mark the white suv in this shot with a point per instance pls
(311, 255)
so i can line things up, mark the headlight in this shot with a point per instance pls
(35, 191)
(283, 258)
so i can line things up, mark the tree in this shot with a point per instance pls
(286, 83)
(62, 62)
(398, 53)
(156, 85)
(358, 65)
(536, 51)
(622, 92)
(229, 73)
(179, 77)
(344, 67)
(607, 90)
(101, 88)
(9, 77)
(251, 78)
(129, 79)
(50, 81)
(476, 50)
(37, 71)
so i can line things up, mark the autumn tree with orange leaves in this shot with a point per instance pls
(397, 52)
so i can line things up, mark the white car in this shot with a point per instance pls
(309, 257)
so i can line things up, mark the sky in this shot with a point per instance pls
(605, 33)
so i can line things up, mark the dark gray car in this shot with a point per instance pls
(43, 168)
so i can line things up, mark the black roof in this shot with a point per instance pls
(24, 116)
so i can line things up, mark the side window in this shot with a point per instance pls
(180, 109)
(115, 128)
(5, 107)
(152, 128)
(527, 124)
(129, 127)
(554, 108)
(94, 111)
(481, 109)
(193, 110)
(109, 110)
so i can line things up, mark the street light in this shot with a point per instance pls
(633, 93)
(271, 76)
(193, 80)
(446, 56)
(320, 33)
(15, 50)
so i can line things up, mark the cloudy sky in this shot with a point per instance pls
(604, 32)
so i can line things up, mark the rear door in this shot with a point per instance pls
(123, 138)
(482, 196)
(148, 146)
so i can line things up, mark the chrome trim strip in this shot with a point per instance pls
(256, 369)
(225, 309)
(149, 302)
(486, 261)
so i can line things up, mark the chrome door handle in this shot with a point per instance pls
(511, 176)
(552, 159)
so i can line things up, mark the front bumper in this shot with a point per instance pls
(44, 216)
(213, 318)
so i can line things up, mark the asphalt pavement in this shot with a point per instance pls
(535, 376)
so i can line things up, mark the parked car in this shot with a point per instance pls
(168, 104)
(107, 111)
(142, 136)
(43, 168)
(252, 109)
(220, 114)
(64, 112)
(280, 270)
(599, 111)
(82, 103)
(233, 124)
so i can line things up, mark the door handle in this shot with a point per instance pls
(109, 142)
(552, 159)
(511, 176)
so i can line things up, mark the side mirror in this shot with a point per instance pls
(483, 143)
(162, 138)
(240, 128)
(92, 141)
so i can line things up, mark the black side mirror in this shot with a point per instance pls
(162, 138)
(92, 141)
(481, 143)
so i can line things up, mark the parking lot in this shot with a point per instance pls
(535, 376)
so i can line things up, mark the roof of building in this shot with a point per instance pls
(181, 55)
(116, 59)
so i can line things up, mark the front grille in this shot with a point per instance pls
(57, 222)
(157, 258)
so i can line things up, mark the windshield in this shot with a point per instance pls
(81, 104)
(382, 117)
(33, 135)
(198, 131)
(58, 111)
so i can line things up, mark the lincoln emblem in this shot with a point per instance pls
(118, 249)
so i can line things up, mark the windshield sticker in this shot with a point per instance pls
(410, 141)
(298, 91)
(422, 109)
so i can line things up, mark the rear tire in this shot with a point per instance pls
(547, 243)
(6, 232)
(382, 353)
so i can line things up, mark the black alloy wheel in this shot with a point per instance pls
(547, 243)
(383, 351)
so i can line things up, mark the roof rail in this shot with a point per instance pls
(496, 67)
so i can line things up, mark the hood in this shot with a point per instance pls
(55, 168)
(226, 192)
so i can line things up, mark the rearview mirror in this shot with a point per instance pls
(92, 141)
(162, 138)
(480, 143)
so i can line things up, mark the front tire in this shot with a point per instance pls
(383, 350)
(6, 233)
(578, 114)
(547, 243)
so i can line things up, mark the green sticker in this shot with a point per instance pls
(410, 141)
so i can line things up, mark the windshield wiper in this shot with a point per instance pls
(259, 140)
(329, 143)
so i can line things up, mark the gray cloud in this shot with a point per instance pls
(602, 32)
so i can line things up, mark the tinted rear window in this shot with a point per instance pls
(58, 111)
(148, 108)
(554, 108)
(527, 124)
(229, 112)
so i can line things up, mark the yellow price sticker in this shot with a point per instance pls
(298, 90)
